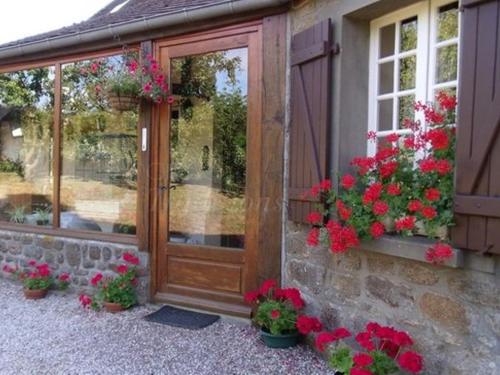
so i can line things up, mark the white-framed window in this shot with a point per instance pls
(413, 55)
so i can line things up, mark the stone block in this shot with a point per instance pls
(379, 264)
(476, 289)
(385, 290)
(307, 275)
(15, 249)
(33, 252)
(418, 273)
(106, 253)
(94, 253)
(73, 254)
(45, 242)
(444, 311)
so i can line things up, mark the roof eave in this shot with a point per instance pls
(145, 24)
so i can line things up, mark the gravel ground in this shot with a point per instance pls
(56, 336)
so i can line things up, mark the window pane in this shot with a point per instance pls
(448, 22)
(26, 125)
(208, 149)
(407, 73)
(99, 151)
(385, 114)
(387, 40)
(386, 78)
(446, 64)
(406, 109)
(408, 35)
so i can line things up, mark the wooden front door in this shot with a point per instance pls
(208, 170)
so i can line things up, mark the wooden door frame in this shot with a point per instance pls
(265, 191)
(233, 37)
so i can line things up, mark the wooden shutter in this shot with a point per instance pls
(477, 199)
(311, 60)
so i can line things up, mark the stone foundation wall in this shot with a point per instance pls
(453, 314)
(82, 259)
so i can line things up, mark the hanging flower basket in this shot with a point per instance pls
(122, 103)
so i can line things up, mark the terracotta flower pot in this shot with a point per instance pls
(123, 103)
(279, 341)
(35, 293)
(113, 307)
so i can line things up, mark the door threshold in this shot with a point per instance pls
(203, 305)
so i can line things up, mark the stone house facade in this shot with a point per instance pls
(200, 248)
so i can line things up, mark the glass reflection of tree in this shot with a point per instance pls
(195, 83)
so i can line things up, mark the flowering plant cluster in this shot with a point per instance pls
(406, 187)
(385, 351)
(134, 77)
(119, 290)
(278, 310)
(38, 276)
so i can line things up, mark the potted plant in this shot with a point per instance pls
(37, 279)
(405, 188)
(277, 314)
(43, 215)
(123, 91)
(17, 215)
(385, 351)
(115, 294)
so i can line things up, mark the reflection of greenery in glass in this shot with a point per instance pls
(26, 127)
(447, 62)
(208, 149)
(99, 150)
(408, 34)
(407, 72)
(406, 108)
(448, 22)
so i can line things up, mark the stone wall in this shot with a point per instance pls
(453, 314)
(82, 259)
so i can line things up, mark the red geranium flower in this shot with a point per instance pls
(414, 205)
(429, 212)
(95, 280)
(323, 339)
(314, 218)
(32, 263)
(122, 268)
(275, 314)
(251, 297)
(432, 194)
(313, 237)
(325, 185)
(362, 360)
(387, 169)
(446, 102)
(443, 167)
(377, 229)
(372, 192)
(341, 333)
(392, 138)
(131, 258)
(344, 212)
(307, 324)
(428, 165)
(380, 208)
(365, 341)
(438, 138)
(267, 286)
(393, 189)
(347, 181)
(411, 362)
(439, 253)
(402, 338)
(64, 277)
(405, 223)
(85, 300)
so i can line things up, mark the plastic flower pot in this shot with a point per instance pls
(113, 307)
(279, 341)
(35, 293)
(123, 103)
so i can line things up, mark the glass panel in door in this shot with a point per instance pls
(208, 149)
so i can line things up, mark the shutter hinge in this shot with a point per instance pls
(335, 48)
(485, 249)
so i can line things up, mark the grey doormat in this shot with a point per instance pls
(181, 318)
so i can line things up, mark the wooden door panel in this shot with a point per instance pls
(204, 275)
(201, 266)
